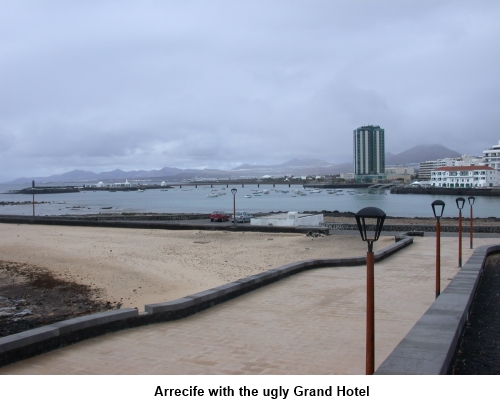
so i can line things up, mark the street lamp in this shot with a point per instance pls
(460, 204)
(438, 209)
(33, 195)
(471, 203)
(376, 217)
(234, 191)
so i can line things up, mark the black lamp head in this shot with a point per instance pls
(460, 203)
(471, 200)
(377, 216)
(438, 208)
(234, 191)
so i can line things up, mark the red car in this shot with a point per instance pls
(219, 216)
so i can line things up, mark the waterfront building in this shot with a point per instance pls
(400, 173)
(491, 156)
(369, 154)
(347, 176)
(465, 177)
(425, 168)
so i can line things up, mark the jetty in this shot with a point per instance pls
(46, 190)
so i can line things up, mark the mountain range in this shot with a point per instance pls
(295, 167)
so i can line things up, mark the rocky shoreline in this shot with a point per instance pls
(31, 296)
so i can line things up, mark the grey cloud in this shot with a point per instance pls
(196, 84)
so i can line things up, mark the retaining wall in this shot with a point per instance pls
(29, 343)
(159, 223)
(420, 228)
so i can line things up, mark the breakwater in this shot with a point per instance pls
(46, 190)
(486, 192)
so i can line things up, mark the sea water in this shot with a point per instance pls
(189, 199)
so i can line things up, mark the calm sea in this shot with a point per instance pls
(189, 199)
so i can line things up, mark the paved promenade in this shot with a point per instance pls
(310, 323)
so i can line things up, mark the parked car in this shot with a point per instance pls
(242, 216)
(219, 216)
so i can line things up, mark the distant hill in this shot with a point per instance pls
(420, 153)
(117, 174)
(295, 167)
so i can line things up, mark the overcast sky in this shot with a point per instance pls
(99, 85)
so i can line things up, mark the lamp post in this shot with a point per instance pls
(471, 203)
(33, 195)
(460, 204)
(438, 209)
(234, 191)
(376, 217)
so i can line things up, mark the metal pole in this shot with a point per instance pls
(370, 313)
(33, 195)
(234, 209)
(438, 258)
(459, 238)
(471, 228)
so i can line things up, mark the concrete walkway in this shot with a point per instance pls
(311, 323)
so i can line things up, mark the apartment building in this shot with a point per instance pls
(491, 156)
(426, 168)
(465, 177)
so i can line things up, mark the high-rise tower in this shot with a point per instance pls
(369, 153)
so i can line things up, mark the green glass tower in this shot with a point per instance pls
(369, 154)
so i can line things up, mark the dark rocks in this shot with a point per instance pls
(479, 350)
(31, 297)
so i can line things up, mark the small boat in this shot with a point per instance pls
(248, 196)
(212, 195)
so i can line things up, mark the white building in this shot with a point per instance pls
(491, 156)
(290, 219)
(425, 168)
(397, 173)
(465, 177)
(347, 176)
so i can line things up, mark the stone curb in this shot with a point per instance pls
(430, 346)
(39, 340)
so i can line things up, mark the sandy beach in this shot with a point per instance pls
(135, 267)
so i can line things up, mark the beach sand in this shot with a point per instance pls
(135, 267)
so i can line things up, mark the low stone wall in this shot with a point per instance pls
(29, 343)
(104, 217)
(430, 346)
(158, 224)
(408, 228)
